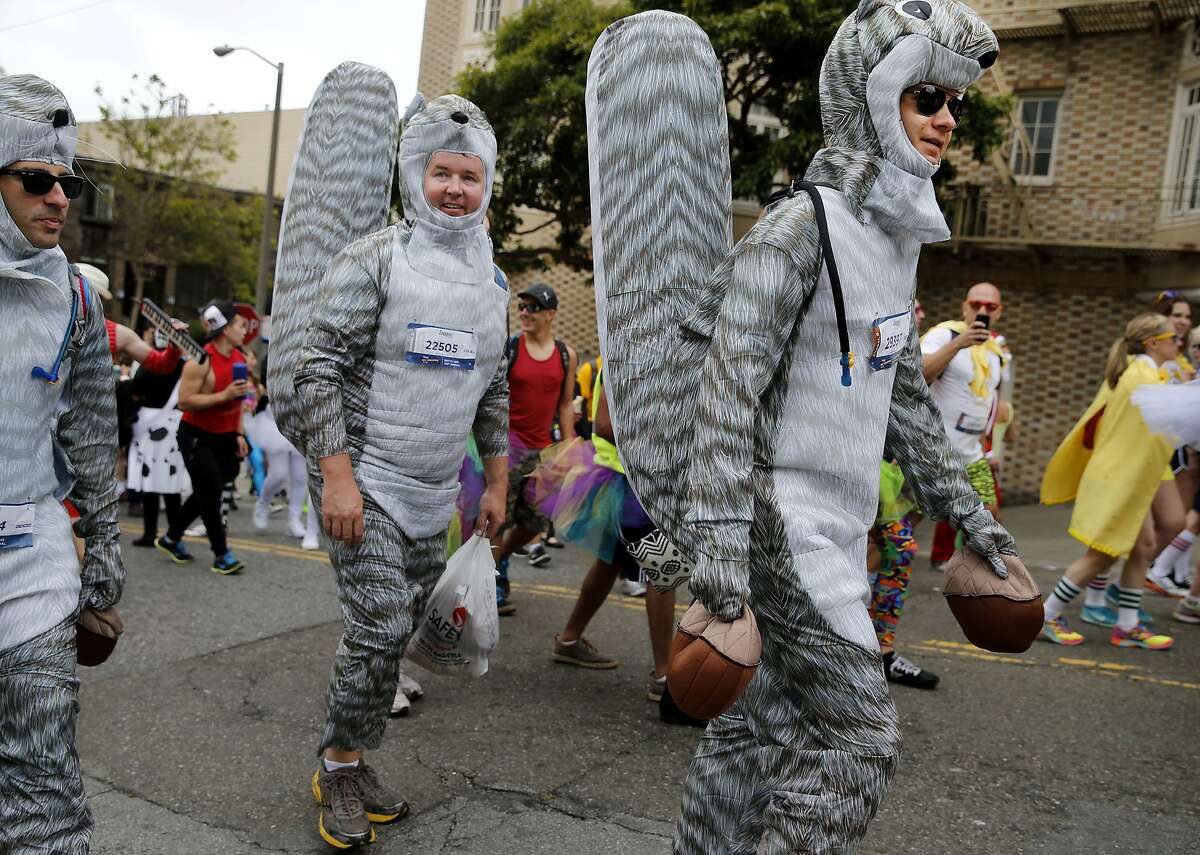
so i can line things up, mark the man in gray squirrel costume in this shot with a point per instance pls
(798, 388)
(401, 358)
(58, 424)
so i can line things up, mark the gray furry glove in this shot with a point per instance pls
(987, 538)
(722, 586)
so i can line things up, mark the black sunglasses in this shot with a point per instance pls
(38, 183)
(529, 308)
(931, 99)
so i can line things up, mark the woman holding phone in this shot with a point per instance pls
(212, 439)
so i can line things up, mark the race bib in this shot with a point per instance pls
(16, 526)
(440, 347)
(888, 338)
(972, 424)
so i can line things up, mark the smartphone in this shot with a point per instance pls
(241, 371)
(986, 320)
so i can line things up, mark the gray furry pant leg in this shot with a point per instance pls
(803, 759)
(42, 805)
(384, 583)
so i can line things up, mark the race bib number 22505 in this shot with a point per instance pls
(440, 347)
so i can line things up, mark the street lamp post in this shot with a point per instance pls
(264, 247)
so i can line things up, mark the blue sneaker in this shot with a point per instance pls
(1112, 596)
(1099, 616)
(174, 549)
(503, 606)
(227, 565)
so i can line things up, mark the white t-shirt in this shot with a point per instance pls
(965, 416)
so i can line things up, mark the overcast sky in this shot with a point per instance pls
(105, 42)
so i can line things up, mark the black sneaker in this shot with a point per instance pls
(227, 565)
(907, 673)
(145, 540)
(538, 555)
(669, 713)
(174, 549)
(342, 821)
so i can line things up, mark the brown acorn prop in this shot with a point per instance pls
(1000, 615)
(92, 648)
(712, 661)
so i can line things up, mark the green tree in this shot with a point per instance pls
(534, 93)
(770, 52)
(166, 207)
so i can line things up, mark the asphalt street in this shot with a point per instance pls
(199, 736)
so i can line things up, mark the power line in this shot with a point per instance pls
(52, 17)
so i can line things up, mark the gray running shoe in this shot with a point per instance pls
(538, 555)
(342, 822)
(382, 804)
(582, 653)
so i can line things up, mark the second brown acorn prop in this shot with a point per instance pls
(1000, 615)
(712, 661)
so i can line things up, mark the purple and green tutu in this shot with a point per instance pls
(588, 503)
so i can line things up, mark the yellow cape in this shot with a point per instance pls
(1114, 481)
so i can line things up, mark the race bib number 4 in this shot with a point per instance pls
(888, 338)
(440, 347)
(16, 526)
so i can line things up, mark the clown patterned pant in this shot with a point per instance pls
(42, 805)
(890, 585)
(384, 583)
(802, 760)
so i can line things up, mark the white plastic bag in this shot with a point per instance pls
(460, 626)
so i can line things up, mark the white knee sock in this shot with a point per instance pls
(1094, 598)
(1131, 603)
(1060, 597)
(1164, 564)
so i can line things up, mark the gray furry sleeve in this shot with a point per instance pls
(87, 433)
(917, 440)
(491, 416)
(765, 295)
(340, 335)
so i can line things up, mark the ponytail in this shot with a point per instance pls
(1118, 361)
(1137, 331)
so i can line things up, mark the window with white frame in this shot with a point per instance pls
(1183, 170)
(1032, 153)
(487, 15)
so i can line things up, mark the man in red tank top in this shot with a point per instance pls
(211, 438)
(541, 389)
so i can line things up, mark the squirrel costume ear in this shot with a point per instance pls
(416, 105)
(865, 8)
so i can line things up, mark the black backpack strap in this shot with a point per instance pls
(511, 348)
(835, 281)
(563, 355)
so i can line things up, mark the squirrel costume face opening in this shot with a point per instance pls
(452, 124)
(883, 49)
(36, 124)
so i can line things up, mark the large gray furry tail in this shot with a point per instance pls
(339, 191)
(658, 148)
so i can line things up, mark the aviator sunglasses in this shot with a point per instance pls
(38, 183)
(529, 308)
(931, 99)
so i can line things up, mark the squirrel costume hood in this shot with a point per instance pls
(36, 124)
(880, 50)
